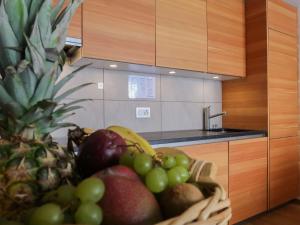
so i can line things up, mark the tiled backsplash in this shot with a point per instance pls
(177, 105)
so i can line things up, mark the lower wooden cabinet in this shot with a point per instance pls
(248, 175)
(283, 170)
(215, 152)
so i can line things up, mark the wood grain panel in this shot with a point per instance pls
(181, 34)
(282, 17)
(248, 173)
(246, 100)
(119, 30)
(283, 84)
(215, 152)
(75, 28)
(286, 215)
(283, 170)
(226, 37)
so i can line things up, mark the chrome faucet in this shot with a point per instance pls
(207, 117)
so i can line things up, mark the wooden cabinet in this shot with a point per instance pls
(215, 152)
(248, 175)
(226, 37)
(119, 30)
(283, 84)
(75, 28)
(283, 170)
(181, 34)
(282, 17)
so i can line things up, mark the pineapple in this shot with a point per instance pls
(32, 37)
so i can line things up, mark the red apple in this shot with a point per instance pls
(100, 150)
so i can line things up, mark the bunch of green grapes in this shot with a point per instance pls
(69, 205)
(158, 175)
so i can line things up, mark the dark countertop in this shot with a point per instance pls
(199, 136)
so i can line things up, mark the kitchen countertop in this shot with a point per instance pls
(191, 137)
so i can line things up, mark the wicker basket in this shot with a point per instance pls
(215, 209)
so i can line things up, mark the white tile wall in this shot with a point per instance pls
(181, 89)
(178, 102)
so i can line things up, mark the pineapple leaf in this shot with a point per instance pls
(18, 23)
(38, 58)
(29, 80)
(22, 66)
(14, 86)
(76, 102)
(8, 103)
(63, 110)
(35, 6)
(7, 39)
(66, 79)
(44, 24)
(71, 91)
(57, 126)
(62, 118)
(59, 34)
(56, 10)
(42, 88)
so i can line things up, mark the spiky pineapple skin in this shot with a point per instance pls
(32, 38)
(29, 169)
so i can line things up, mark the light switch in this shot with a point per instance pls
(100, 85)
(143, 112)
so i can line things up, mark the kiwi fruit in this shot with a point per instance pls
(179, 198)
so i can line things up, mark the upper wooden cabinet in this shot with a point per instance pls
(282, 17)
(226, 37)
(283, 84)
(75, 28)
(181, 34)
(248, 176)
(215, 152)
(283, 170)
(119, 30)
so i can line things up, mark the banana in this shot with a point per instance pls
(132, 138)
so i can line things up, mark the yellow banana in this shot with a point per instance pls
(132, 138)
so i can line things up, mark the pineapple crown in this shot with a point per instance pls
(32, 38)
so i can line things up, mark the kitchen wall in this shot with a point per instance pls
(177, 105)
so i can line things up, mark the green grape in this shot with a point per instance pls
(185, 175)
(65, 194)
(90, 190)
(142, 163)
(175, 176)
(182, 160)
(169, 162)
(89, 214)
(127, 159)
(157, 180)
(49, 214)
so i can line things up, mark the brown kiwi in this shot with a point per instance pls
(179, 198)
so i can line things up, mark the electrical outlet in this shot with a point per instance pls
(143, 112)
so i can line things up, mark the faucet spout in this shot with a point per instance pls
(218, 114)
(207, 117)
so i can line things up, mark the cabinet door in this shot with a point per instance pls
(282, 17)
(226, 37)
(119, 30)
(283, 170)
(248, 176)
(283, 84)
(181, 34)
(75, 27)
(217, 153)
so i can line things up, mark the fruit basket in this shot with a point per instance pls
(215, 208)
